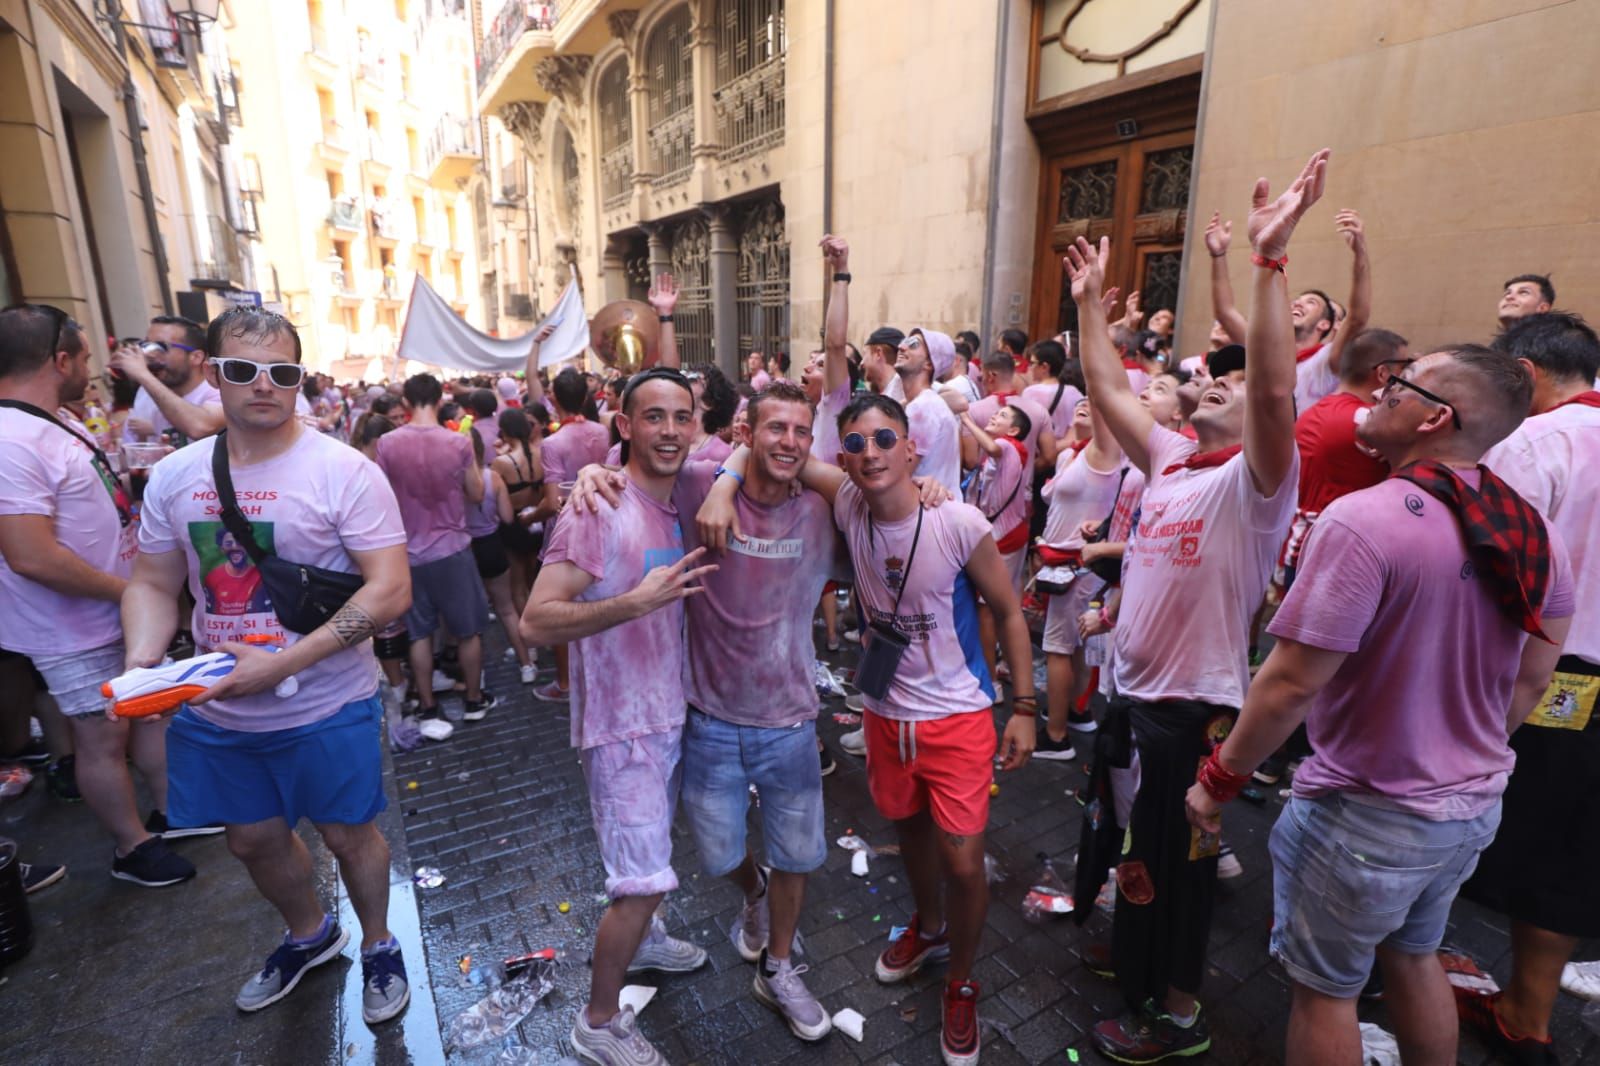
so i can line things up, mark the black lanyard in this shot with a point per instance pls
(905, 575)
(102, 465)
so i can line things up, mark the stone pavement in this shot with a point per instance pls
(501, 810)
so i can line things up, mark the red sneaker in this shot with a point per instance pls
(907, 953)
(958, 1038)
(1481, 1014)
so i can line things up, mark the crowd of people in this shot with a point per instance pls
(1410, 527)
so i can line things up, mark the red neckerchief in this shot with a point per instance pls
(567, 421)
(1586, 399)
(1202, 460)
(1306, 353)
(1130, 363)
(1188, 431)
(1001, 397)
(1022, 449)
(1078, 446)
(1505, 537)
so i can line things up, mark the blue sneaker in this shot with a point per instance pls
(287, 965)
(385, 991)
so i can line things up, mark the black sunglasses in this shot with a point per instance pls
(854, 443)
(61, 318)
(1432, 397)
(245, 372)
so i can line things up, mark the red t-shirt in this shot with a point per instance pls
(1330, 463)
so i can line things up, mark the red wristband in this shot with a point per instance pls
(1105, 619)
(1222, 783)
(1271, 264)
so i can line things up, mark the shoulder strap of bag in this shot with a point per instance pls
(38, 412)
(232, 517)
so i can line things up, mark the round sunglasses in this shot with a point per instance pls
(855, 443)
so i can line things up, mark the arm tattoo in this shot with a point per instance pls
(955, 840)
(351, 625)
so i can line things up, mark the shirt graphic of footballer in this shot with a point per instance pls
(232, 583)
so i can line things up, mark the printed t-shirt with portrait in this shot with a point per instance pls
(314, 504)
(1043, 395)
(1194, 573)
(144, 407)
(937, 433)
(1551, 461)
(573, 447)
(1077, 494)
(750, 635)
(942, 671)
(426, 466)
(627, 681)
(1416, 718)
(48, 471)
(1331, 465)
(1002, 491)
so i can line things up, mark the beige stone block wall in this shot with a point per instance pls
(1467, 134)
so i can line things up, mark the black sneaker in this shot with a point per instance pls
(1081, 721)
(152, 865)
(1046, 747)
(477, 710)
(61, 778)
(33, 754)
(828, 765)
(1150, 1036)
(1271, 771)
(156, 825)
(39, 875)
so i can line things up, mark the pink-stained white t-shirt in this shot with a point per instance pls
(144, 406)
(627, 681)
(1061, 418)
(45, 470)
(314, 504)
(1551, 460)
(425, 466)
(1313, 380)
(713, 450)
(1129, 497)
(942, 672)
(573, 447)
(760, 380)
(1003, 490)
(825, 430)
(1077, 494)
(1194, 574)
(937, 433)
(985, 408)
(750, 636)
(1415, 717)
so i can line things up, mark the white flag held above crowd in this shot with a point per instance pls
(436, 335)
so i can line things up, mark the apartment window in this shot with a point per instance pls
(413, 150)
(342, 250)
(450, 226)
(405, 77)
(335, 184)
(420, 210)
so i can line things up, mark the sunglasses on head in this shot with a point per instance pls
(1432, 397)
(60, 317)
(245, 371)
(884, 439)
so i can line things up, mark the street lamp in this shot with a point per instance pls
(192, 16)
(506, 209)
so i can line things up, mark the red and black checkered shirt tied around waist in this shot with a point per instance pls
(1506, 537)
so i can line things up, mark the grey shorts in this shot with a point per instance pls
(74, 679)
(447, 589)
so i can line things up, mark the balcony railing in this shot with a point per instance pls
(516, 17)
(225, 263)
(344, 213)
(383, 221)
(616, 176)
(671, 148)
(452, 136)
(749, 110)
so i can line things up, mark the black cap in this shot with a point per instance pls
(886, 335)
(1225, 360)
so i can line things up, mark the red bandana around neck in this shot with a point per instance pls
(1505, 537)
(1306, 353)
(1203, 460)
(1585, 399)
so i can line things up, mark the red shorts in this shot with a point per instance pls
(944, 766)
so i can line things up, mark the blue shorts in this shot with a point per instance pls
(1347, 877)
(329, 771)
(720, 763)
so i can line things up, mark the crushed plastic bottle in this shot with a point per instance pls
(496, 1014)
(992, 872)
(1048, 896)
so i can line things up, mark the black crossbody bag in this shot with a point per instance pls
(303, 597)
(1109, 569)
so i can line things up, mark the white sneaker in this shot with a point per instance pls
(785, 993)
(1582, 979)
(511, 655)
(665, 953)
(855, 742)
(616, 1043)
(528, 674)
(852, 635)
(443, 682)
(1228, 865)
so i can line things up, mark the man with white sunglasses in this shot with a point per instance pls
(238, 753)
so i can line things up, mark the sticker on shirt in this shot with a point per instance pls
(765, 548)
(1568, 703)
(230, 581)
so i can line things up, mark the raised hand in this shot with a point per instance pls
(1272, 222)
(668, 584)
(1086, 266)
(664, 294)
(1219, 235)
(1132, 316)
(544, 333)
(836, 253)
(1349, 226)
(1108, 300)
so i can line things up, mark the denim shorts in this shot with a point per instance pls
(1348, 877)
(720, 763)
(633, 792)
(74, 679)
(330, 771)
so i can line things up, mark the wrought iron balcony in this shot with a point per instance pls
(749, 110)
(515, 18)
(616, 176)
(452, 150)
(344, 213)
(671, 148)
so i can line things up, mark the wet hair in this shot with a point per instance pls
(249, 324)
(780, 391)
(1019, 419)
(422, 390)
(1052, 355)
(718, 399)
(863, 402)
(1366, 351)
(1561, 344)
(26, 333)
(194, 334)
(1547, 290)
(660, 373)
(1013, 340)
(571, 391)
(482, 402)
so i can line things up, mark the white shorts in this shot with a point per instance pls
(74, 679)
(1017, 567)
(633, 793)
(1061, 616)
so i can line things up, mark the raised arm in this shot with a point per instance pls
(540, 335)
(1359, 311)
(1270, 369)
(835, 329)
(1109, 389)
(1219, 235)
(193, 420)
(1102, 453)
(664, 298)
(985, 443)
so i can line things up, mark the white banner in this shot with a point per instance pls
(434, 334)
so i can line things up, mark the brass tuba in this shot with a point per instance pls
(626, 335)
